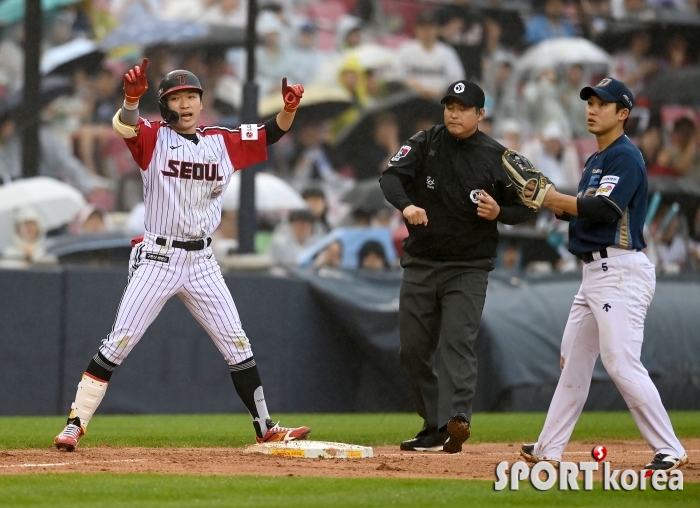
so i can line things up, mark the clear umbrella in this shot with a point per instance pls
(56, 202)
(562, 51)
(271, 194)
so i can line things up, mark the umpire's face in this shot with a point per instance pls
(188, 104)
(461, 121)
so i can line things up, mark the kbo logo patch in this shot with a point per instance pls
(403, 152)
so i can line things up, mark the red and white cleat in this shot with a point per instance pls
(70, 437)
(276, 433)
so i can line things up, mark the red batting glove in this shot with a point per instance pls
(292, 96)
(135, 83)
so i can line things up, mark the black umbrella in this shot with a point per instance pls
(76, 54)
(408, 108)
(675, 87)
(367, 195)
(661, 25)
(51, 88)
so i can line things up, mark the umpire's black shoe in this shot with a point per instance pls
(425, 442)
(458, 430)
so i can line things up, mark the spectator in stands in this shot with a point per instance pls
(11, 59)
(682, 157)
(650, 143)
(555, 156)
(541, 101)
(232, 13)
(548, 24)
(372, 256)
(290, 238)
(510, 133)
(425, 64)
(373, 158)
(574, 107)
(361, 217)
(634, 65)
(499, 85)
(694, 242)
(274, 60)
(89, 220)
(307, 59)
(676, 56)
(28, 240)
(348, 33)
(309, 163)
(671, 248)
(352, 76)
(56, 160)
(225, 238)
(331, 256)
(462, 26)
(315, 199)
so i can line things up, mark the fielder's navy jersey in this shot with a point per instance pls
(619, 175)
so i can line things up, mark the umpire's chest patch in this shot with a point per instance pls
(157, 257)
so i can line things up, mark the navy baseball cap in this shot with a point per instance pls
(466, 92)
(610, 90)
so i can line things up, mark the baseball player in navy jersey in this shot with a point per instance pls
(606, 219)
(185, 169)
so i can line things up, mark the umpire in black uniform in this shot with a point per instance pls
(450, 185)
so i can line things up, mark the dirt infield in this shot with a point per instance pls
(477, 461)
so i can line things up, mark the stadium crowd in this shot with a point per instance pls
(374, 71)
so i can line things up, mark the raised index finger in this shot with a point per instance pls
(284, 84)
(144, 64)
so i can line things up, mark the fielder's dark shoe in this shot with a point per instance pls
(527, 451)
(666, 462)
(425, 442)
(458, 430)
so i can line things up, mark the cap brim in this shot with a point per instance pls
(459, 99)
(587, 91)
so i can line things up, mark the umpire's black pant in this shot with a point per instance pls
(440, 306)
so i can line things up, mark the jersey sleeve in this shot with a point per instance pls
(140, 138)
(619, 181)
(410, 155)
(246, 146)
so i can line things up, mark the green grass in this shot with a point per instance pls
(367, 429)
(147, 490)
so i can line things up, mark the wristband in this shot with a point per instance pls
(131, 106)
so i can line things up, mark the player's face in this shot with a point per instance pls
(603, 117)
(461, 121)
(188, 104)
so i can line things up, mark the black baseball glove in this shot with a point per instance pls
(521, 172)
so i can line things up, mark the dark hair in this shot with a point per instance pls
(619, 106)
(302, 215)
(372, 247)
(312, 192)
(684, 123)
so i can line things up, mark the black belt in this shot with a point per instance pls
(192, 245)
(587, 257)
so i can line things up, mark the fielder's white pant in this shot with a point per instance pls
(607, 318)
(156, 273)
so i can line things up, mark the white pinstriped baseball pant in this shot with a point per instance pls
(196, 278)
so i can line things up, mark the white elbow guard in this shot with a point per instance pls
(122, 129)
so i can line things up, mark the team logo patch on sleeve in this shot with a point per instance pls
(403, 152)
(605, 189)
(610, 179)
(249, 131)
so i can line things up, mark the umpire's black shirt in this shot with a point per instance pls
(442, 174)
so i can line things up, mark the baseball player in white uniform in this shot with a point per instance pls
(185, 169)
(606, 220)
